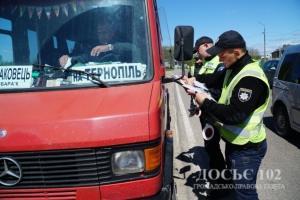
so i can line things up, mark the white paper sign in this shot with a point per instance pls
(15, 77)
(109, 72)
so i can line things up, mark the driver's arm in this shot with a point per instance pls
(118, 47)
(101, 48)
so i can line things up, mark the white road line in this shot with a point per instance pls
(187, 125)
(185, 192)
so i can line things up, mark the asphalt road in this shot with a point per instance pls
(278, 178)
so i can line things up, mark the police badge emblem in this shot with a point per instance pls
(244, 94)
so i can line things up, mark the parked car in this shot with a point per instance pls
(269, 67)
(286, 92)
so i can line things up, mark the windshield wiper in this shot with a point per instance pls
(92, 75)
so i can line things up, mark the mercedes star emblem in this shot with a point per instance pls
(3, 133)
(10, 171)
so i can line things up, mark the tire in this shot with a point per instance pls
(282, 121)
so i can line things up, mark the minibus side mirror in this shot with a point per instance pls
(183, 47)
(183, 44)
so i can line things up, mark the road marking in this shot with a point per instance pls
(186, 122)
(185, 192)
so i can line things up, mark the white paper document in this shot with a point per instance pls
(198, 86)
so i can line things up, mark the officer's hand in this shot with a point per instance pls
(190, 92)
(200, 97)
(189, 81)
(184, 79)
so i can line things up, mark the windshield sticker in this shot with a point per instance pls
(109, 72)
(15, 77)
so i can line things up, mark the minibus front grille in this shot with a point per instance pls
(58, 168)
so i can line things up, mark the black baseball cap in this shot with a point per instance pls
(200, 41)
(227, 40)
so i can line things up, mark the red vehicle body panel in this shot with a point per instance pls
(72, 119)
(125, 190)
(54, 194)
(94, 117)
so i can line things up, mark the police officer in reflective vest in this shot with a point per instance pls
(192, 73)
(211, 145)
(211, 63)
(240, 110)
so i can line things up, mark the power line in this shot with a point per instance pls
(268, 33)
(253, 36)
(282, 34)
(278, 35)
(290, 32)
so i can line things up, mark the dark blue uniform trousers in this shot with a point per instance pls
(245, 164)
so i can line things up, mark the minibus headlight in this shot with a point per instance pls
(128, 162)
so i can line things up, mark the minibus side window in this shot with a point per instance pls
(6, 49)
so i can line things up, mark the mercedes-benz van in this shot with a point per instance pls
(83, 102)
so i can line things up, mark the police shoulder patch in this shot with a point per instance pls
(244, 94)
(221, 68)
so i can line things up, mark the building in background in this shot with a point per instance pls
(278, 52)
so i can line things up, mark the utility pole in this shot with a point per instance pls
(279, 52)
(264, 41)
(170, 49)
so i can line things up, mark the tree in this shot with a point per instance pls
(3, 62)
(168, 54)
(254, 53)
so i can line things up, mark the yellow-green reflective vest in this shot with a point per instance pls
(210, 66)
(192, 71)
(252, 129)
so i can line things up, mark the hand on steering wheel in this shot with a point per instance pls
(98, 49)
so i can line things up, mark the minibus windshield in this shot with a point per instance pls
(109, 39)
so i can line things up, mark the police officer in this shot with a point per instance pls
(193, 72)
(240, 109)
(211, 62)
(211, 65)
